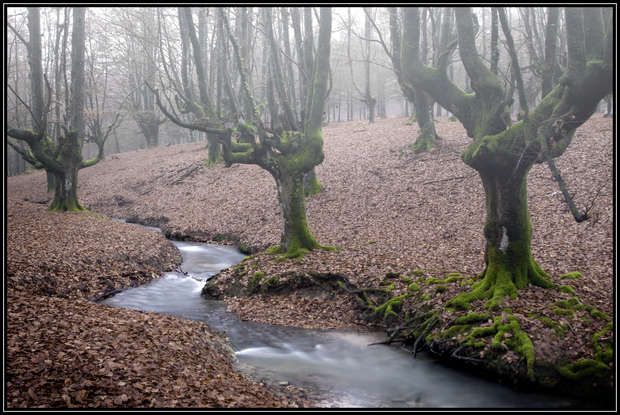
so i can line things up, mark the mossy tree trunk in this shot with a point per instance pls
(65, 193)
(63, 160)
(295, 234)
(427, 137)
(503, 153)
(312, 185)
(507, 231)
(293, 145)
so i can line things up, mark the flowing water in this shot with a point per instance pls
(339, 366)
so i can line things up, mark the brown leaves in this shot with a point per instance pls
(385, 208)
(86, 363)
(80, 255)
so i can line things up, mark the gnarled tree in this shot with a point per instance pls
(501, 152)
(63, 159)
(292, 145)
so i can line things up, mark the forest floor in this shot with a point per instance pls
(397, 219)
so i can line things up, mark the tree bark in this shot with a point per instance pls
(427, 137)
(295, 236)
(509, 262)
(503, 153)
(65, 192)
(149, 123)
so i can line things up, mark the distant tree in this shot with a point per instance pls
(141, 59)
(62, 159)
(501, 152)
(427, 136)
(365, 95)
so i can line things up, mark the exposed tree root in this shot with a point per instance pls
(500, 282)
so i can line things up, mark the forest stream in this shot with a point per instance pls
(339, 367)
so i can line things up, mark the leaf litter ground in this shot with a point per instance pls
(388, 210)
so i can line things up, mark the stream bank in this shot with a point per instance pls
(339, 367)
(380, 217)
(65, 351)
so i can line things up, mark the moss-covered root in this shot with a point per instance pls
(500, 282)
(517, 340)
(389, 308)
(295, 251)
(597, 369)
(425, 142)
(66, 205)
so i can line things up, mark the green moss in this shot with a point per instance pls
(389, 285)
(455, 274)
(254, 282)
(274, 249)
(482, 332)
(567, 289)
(603, 352)
(270, 283)
(584, 369)
(596, 313)
(519, 342)
(413, 287)
(564, 312)
(312, 187)
(391, 307)
(572, 275)
(441, 289)
(245, 249)
(212, 163)
(557, 327)
(570, 303)
(426, 297)
(455, 330)
(417, 272)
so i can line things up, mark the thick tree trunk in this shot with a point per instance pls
(296, 238)
(51, 180)
(371, 104)
(148, 122)
(428, 137)
(214, 149)
(65, 193)
(509, 262)
(311, 183)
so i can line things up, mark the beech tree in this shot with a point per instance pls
(141, 59)
(502, 152)
(61, 159)
(366, 95)
(427, 137)
(291, 145)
